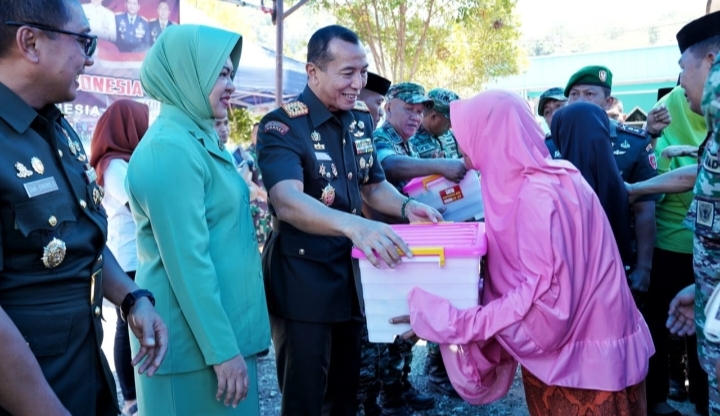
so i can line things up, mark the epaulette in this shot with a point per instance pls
(295, 109)
(361, 106)
(632, 130)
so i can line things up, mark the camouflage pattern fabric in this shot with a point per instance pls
(389, 143)
(369, 383)
(428, 146)
(395, 361)
(259, 209)
(704, 215)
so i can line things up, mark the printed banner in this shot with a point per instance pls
(126, 30)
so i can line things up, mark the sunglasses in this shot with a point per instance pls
(89, 42)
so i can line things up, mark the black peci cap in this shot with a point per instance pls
(378, 84)
(698, 30)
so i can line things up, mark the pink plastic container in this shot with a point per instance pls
(446, 262)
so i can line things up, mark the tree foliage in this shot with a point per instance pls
(457, 44)
(241, 124)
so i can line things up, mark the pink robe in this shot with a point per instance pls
(556, 298)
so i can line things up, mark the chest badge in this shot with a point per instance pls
(22, 171)
(328, 195)
(315, 137)
(53, 253)
(357, 128)
(363, 146)
(334, 169)
(625, 145)
(37, 165)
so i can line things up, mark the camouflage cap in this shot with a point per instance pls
(590, 75)
(551, 94)
(411, 93)
(442, 99)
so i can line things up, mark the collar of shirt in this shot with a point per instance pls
(18, 114)
(210, 140)
(391, 133)
(319, 113)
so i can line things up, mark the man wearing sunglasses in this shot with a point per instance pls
(54, 266)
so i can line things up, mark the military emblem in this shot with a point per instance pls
(363, 146)
(353, 126)
(328, 195)
(295, 109)
(653, 161)
(361, 106)
(323, 170)
(81, 157)
(602, 75)
(315, 136)
(277, 126)
(617, 152)
(705, 213)
(370, 161)
(22, 171)
(357, 129)
(53, 253)
(625, 145)
(334, 170)
(37, 165)
(319, 146)
(98, 194)
(90, 174)
(362, 163)
(361, 125)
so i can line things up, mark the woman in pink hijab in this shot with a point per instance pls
(555, 298)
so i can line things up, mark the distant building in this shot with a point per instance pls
(637, 74)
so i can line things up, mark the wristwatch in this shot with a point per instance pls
(130, 300)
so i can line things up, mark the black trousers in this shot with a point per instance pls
(318, 365)
(671, 272)
(123, 356)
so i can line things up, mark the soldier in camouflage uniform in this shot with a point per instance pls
(404, 108)
(434, 140)
(699, 43)
(258, 206)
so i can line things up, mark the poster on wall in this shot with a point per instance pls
(126, 29)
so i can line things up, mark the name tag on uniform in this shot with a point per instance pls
(322, 156)
(40, 187)
(363, 146)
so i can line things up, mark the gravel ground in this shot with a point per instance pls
(513, 404)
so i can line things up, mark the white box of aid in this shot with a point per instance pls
(446, 262)
(456, 201)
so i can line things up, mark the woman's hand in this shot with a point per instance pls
(232, 380)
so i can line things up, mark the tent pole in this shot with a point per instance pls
(279, 52)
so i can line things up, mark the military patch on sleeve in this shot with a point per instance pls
(295, 109)
(649, 147)
(361, 106)
(653, 160)
(276, 126)
(631, 129)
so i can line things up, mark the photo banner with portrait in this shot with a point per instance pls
(126, 29)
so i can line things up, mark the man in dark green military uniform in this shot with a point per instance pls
(550, 102)
(434, 139)
(319, 166)
(373, 95)
(54, 265)
(635, 159)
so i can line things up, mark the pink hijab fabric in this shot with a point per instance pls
(556, 298)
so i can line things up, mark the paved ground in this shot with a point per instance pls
(513, 404)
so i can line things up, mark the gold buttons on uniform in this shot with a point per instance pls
(350, 176)
(97, 311)
(52, 221)
(301, 251)
(83, 204)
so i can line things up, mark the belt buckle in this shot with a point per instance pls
(93, 279)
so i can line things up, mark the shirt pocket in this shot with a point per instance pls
(46, 334)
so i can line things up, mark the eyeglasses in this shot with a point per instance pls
(89, 42)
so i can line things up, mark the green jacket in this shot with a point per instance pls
(197, 250)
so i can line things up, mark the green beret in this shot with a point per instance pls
(590, 75)
(411, 93)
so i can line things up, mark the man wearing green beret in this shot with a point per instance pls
(434, 140)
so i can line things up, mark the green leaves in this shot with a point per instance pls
(456, 44)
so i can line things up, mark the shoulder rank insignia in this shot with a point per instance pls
(361, 106)
(295, 109)
(631, 129)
